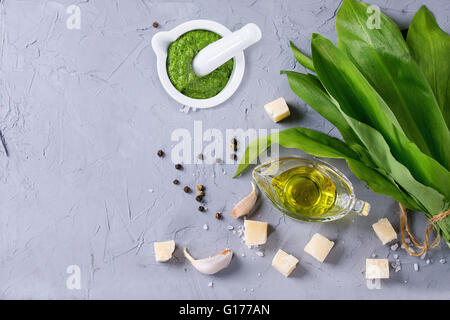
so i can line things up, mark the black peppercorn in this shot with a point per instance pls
(160, 153)
(187, 189)
(176, 181)
(178, 166)
(155, 24)
(199, 198)
(201, 208)
(218, 216)
(233, 156)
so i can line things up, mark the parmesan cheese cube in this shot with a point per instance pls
(319, 247)
(277, 109)
(284, 262)
(255, 232)
(384, 230)
(164, 250)
(377, 269)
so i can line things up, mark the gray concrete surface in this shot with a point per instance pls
(83, 114)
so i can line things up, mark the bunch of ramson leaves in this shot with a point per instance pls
(390, 100)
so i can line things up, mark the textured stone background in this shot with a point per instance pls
(83, 114)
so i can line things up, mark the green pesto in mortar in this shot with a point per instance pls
(180, 55)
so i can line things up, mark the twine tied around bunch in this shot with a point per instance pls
(404, 226)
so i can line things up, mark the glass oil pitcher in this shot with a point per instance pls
(308, 190)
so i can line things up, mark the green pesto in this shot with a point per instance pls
(180, 55)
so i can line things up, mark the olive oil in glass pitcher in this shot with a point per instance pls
(308, 190)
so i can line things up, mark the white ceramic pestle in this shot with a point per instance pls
(217, 53)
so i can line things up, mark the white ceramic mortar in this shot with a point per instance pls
(160, 44)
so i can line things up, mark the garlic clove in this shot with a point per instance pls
(211, 264)
(244, 206)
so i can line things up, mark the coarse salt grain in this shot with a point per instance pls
(394, 247)
(416, 267)
(260, 253)
(205, 227)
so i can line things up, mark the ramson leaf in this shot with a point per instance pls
(382, 184)
(310, 141)
(430, 47)
(303, 59)
(315, 143)
(251, 153)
